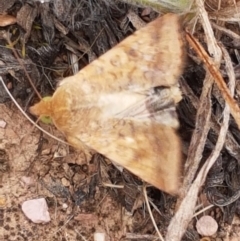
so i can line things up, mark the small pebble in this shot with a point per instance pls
(36, 210)
(206, 226)
(65, 182)
(2, 124)
(27, 181)
(99, 236)
(65, 206)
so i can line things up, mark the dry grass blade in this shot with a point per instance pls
(226, 116)
(186, 209)
(227, 13)
(150, 213)
(235, 110)
(228, 32)
(203, 210)
(231, 144)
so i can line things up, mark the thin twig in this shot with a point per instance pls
(84, 239)
(183, 216)
(150, 213)
(203, 210)
(235, 110)
(199, 137)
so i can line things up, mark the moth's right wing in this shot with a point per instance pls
(152, 56)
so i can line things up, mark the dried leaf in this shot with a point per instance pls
(6, 20)
(25, 18)
(5, 5)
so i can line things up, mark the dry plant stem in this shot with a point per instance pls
(194, 156)
(188, 197)
(226, 112)
(231, 144)
(155, 207)
(112, 185)
(228, 32)
(150, 213)
(229, 70)
(203, 210)
(183, 216)
(22, 65)
(212, 45)
(19, 107)
(184, 213)
(222, 134)
(199, 137)
(228, 14)
(83, 238)
(235, 110)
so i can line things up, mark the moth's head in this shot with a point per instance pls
(42, 109)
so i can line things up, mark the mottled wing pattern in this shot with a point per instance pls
(123, 104)
(149, 150)
(150, 57)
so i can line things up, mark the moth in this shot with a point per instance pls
(123, 105)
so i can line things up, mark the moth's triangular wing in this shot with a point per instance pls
(79, 108)
(148, 150)
(152, 56)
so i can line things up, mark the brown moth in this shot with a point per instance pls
(122, 105)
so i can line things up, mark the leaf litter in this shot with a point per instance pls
(86, 194)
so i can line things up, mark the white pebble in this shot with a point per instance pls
(206, 226)
(65, 206)
(36, 210)
(99, 236)
(3, 124)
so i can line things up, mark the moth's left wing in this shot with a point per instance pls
(149, 150)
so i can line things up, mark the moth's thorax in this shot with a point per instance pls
(112, 104)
